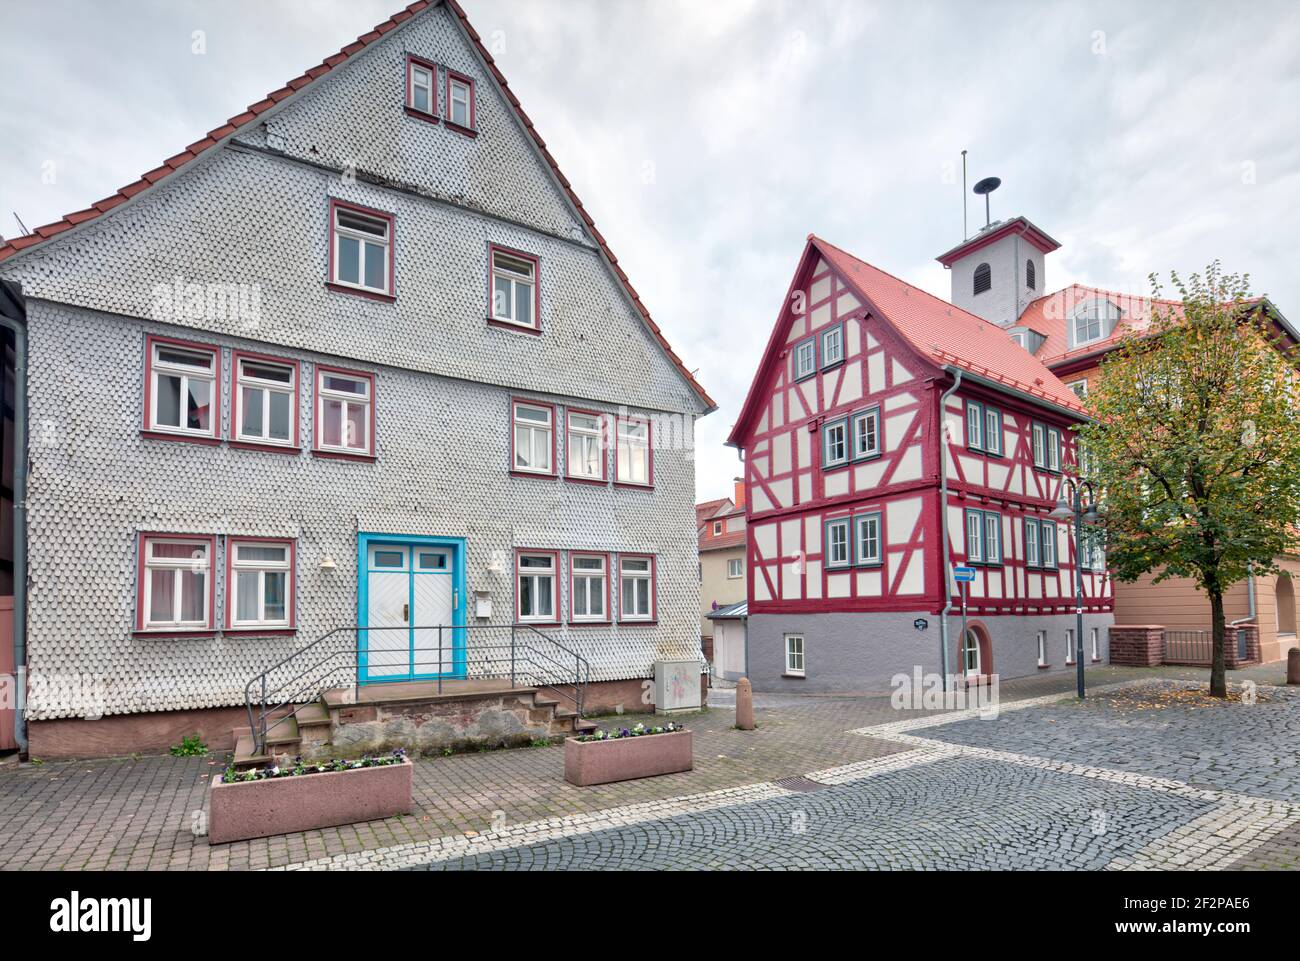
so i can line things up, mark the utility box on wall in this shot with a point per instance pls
(677, 686)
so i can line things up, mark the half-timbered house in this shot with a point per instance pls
(882, 420)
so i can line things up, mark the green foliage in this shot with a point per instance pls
(1195, 445)
(190, 746)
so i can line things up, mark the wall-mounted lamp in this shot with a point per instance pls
(327, 563)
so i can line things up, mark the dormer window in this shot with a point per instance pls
(1092, 321)
(1018, 336)
(983, 278)
(1031, 277)
(422, 88)
(460, 102)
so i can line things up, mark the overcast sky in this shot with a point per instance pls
(709, 139)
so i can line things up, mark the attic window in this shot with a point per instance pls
(983, 278)
(514, 293)
(361, 249)
(422, 88)
(460, 102)
(1031, 278)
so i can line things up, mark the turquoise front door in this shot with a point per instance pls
(412, 624)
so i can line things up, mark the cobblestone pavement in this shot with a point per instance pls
(891, 798)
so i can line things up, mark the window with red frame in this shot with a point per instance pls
(585, 437)
(460, 101)
(636, 577)
(361, 249)
(266, 401)
(260, 586)
(184, 389)
(633, 453)
(514, 289)
(175, 589)
(422, 87)
(588, 588)
(534, 438)
(535, 587)
(345, 405)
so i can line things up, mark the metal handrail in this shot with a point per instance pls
(526, 662)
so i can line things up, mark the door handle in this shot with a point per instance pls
(406, 613)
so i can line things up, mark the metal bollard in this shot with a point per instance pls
(1293, 666)
(744, 705)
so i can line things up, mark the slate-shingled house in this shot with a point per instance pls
(358, 356)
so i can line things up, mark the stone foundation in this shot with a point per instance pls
(156, 733)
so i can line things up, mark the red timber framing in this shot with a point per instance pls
(842, 427)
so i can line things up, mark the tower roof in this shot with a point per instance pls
(995, 232)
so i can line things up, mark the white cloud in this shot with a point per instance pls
(760, 121)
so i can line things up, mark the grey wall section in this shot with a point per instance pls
(860, 653)
(443, 452)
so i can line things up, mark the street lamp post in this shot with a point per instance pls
(1080, 511)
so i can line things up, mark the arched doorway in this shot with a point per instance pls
(1284, 598)
(976, 653)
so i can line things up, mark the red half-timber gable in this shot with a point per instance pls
(843, 441)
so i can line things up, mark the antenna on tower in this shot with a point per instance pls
(965, 231)
(986, 187)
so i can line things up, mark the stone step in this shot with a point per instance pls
(245, 756)
(281, 734)
(312, 715)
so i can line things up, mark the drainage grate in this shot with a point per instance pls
(799, 783)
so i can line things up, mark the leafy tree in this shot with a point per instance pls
(1195, 446)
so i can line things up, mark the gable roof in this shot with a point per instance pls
(721, 542)
(996, 231)
(939, 333)
(1050, 316)
(708, 509)
(246, 120)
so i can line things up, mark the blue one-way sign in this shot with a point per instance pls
(961, 574)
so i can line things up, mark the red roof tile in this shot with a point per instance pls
(721, 542)
(1049, 314)
(11, 247)
(946, 334)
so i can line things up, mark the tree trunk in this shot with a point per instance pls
(1218, 676)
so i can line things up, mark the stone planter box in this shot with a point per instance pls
(259, 809)
(600, 762)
